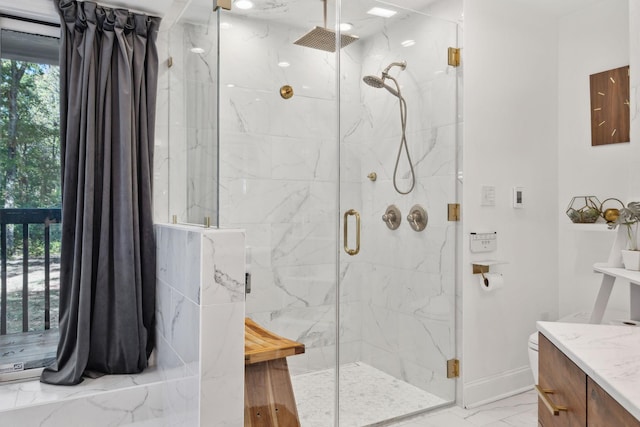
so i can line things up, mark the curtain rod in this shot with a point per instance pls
(30, 20)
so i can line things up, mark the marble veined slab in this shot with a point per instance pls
(22, 394)
(609, 354)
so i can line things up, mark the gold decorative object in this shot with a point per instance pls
(372, 176)
(584, 209)
(286, 91)
(610, 214)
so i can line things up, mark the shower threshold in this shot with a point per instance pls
(368, 397)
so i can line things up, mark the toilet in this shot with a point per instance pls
(581, 317)
(533, 355)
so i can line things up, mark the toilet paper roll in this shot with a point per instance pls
(491, 282)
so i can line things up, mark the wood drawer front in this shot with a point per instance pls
(604, 411)
(569, 383)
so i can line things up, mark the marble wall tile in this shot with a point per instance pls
(266, 113)
(222, 274)
(222, 386)
(181, 402)
(252, 201)
(303, 244)
(185, 330)
(163, 309)
(179, 260)
(201, 338)
(168, 362)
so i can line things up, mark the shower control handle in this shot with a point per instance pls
(392, 217)
(418, 218)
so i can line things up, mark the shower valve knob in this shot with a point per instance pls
(418, 218)
(392, 217)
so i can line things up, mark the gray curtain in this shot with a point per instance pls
(108, 74)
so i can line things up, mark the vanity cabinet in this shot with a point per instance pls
(603, 410)
(576, 399)
(565, 385)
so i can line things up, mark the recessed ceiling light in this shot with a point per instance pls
(408, 43)
(243, 4)
(283, 64)
(197, 50)
(345, 26)
(225, 25)
(384, 13)
(231, 85)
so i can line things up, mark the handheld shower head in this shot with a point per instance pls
(380, 82)
(373, 81)
(377, 82)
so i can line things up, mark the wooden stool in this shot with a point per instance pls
(268, 394)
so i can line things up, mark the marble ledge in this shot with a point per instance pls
(609, 354)
(29, 393)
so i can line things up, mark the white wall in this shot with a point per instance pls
(510, 139)
(591, 40)
(544, 144)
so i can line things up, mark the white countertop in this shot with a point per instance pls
(609, 354)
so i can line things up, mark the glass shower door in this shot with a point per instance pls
(397, 295)
(278, 154)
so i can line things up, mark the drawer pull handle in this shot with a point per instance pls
(552, 407)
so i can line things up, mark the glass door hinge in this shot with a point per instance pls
(453, 368)
(224, 4)
(454, 56)
(453, 211)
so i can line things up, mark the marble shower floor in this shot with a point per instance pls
(368, 396)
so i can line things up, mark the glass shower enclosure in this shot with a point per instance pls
(288, 142)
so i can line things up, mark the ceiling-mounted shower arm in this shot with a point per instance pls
(324, 10)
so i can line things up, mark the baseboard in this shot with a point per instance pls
(496, 387)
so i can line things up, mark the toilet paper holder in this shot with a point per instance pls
(482, 267)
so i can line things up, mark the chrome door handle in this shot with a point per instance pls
(347, 214)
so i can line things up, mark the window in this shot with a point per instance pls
(29, 195)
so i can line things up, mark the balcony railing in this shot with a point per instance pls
(24, 218)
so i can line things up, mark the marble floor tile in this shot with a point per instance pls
(520, 410)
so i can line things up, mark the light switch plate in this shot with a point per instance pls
(488, 195)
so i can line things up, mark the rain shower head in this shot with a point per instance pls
(323, 38)
(378, 82)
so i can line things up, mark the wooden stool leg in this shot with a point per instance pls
(269, 399)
